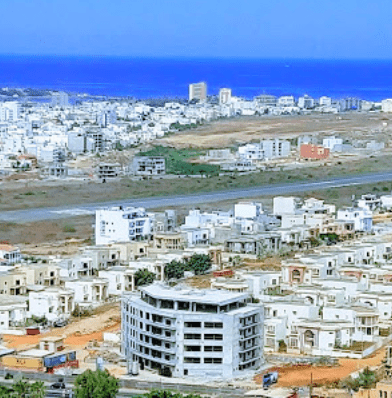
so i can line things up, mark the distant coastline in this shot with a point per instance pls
(169, 77)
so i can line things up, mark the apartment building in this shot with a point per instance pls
(313, 152)
(224, 95)
(108, 171)
(60, 99)
(9, 254)
(198, 91)
(149, 165)
(206, 333)
(118, 224)
(306, 102)
(286, 101)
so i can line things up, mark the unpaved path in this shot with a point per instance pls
(293, 376)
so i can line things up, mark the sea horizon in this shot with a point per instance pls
(168, 77)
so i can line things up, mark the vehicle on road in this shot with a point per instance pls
(58, 385)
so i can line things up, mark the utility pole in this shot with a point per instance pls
(311, 385)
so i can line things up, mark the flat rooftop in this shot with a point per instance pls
(211, 296)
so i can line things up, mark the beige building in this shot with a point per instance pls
(198, 91)
(17, 280)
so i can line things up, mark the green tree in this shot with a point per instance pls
(199, 263)
(366, 379)
(6, 392)
(22, 389)
(144, 277)
(97, 384)
(175, 270)
(37, 389)
(168, 394)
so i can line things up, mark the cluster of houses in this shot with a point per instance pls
(46, 136)
(330, 300)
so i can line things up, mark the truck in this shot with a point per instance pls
(269, 379)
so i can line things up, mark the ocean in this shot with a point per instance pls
(169, 77)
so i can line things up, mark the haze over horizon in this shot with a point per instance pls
(353, 29)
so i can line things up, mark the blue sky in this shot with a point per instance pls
(202, 28)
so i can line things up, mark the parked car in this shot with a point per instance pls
(60, 323)
(58, 385)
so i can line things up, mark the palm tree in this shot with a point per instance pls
(5, 392)
(22, 389)
(37, 390)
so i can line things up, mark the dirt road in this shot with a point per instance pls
(293, 376)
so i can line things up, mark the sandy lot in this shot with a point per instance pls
(298, 376)
(78, 333)
(229, 132)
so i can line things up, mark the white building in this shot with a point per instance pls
(9, 111)
(60, 99)
(198, 91)
(52, 303)
(363, 218)
(9, 254)
(13, 311)
(306, 102)
(89, 292)
(224, 95)
(386, 105)
(118, 224)
(332, 142)
(203, 333)
(247, 210)
(325, 101)
(286, 101)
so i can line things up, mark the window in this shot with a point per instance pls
(191, 360)
(212, 348)
(192, 348)
(213, 325)
(213, 360)
(192, 324)
(213, 337)
(192, 336)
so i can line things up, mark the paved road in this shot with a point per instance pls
(51, 213)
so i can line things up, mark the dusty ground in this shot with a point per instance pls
(298, 376)
(228, 132)
(78, 333)
(49, 237)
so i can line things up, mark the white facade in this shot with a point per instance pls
(52, 303)
(246, 210)
(89, 292)
(363, 218)
(325, 101)
(205, 334)
(331, 142)
(224, 95)
(198, 91)
(306, 102)
(386, 105)
(13, 311)
(286, 101)
(9, 111)
(119, 224)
